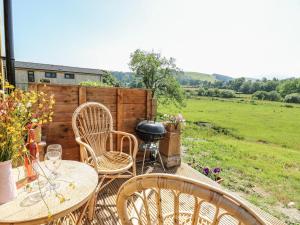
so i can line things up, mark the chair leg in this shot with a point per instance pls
(92, 207)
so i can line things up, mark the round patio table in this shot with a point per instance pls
(77, 185)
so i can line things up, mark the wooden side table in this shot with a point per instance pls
(85, 179)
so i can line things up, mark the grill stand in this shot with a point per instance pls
(152, 147)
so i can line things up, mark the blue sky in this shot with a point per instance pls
(234, 37)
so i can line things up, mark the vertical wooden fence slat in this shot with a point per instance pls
(82, 95)
(148, 105)
(81, 100)
(120, 114)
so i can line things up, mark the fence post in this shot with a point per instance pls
(120, 114)
(81, 100)
(82, 95)
(148, 105)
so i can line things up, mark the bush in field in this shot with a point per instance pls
(201, 92)
(264, 95)
(227, 94)
(274, 96)
(212, 92)
(215, 92)
(190, 93)
(292, 98)
(260, 95)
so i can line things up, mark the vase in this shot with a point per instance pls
(8, 189)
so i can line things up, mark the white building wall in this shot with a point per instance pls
(22, 77)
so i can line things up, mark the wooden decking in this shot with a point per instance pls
(106, 212)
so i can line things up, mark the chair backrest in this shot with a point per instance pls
(93, 123)
(169, 199)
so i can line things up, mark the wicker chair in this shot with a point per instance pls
(93, 127)
(168, 199)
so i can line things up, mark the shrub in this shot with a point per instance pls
(93, 84)
(227, 94)
(264, 95)
(215, 92)
(292, 98)
(273, 96)
(201, 92)
(260, 95)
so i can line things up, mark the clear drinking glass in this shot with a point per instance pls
(52, 163)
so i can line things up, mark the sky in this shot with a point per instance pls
(254, 38)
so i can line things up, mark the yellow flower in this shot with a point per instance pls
(72, 185)
(61, 198)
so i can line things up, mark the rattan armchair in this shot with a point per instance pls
(168, 199)
(93, 127)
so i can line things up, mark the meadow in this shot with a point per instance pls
(256, 143)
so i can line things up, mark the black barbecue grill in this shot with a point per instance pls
(150, 132)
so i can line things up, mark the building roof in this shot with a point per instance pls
(57, 68)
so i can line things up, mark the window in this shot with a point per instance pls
(69, 76)
(50, 74)
(30, 75)
(44, 80)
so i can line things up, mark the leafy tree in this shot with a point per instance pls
(110, 80)
(219, 84)
(157, 73)
(289, 86)
(256, 86)
(246, 87)
(236, 83)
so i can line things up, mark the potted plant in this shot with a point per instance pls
(173, 123)
(169, 147)
(20, 111)
(213, 174)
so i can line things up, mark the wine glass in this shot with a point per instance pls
(52, 163)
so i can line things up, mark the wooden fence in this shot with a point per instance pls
(127, 106)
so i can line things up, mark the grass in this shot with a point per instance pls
(257, 145)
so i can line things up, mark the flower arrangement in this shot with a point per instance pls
(20, 111)
(213, 173)
(175, 121)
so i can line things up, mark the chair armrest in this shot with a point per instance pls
(132, 141)
(90, 151)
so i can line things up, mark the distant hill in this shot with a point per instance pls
(184, 78)
(195, 78)
(222, 77)
(199, 76)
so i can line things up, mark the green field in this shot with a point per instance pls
(200, 76)
(257, 145)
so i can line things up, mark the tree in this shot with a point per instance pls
(246, 87)
(236, 83)
(157, 73)
(289, 86)
(109, 79)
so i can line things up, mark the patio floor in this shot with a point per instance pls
(106, 212)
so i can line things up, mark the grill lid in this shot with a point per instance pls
(150, 127)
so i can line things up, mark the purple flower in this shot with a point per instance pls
(206, 171)
(217, 170)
